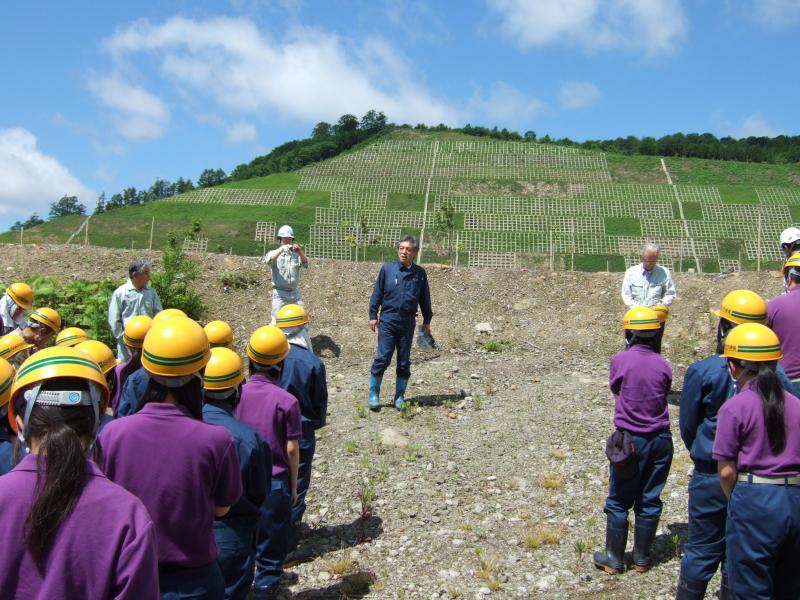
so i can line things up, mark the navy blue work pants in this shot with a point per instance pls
(394, 334)
(708, 508)
(236, 544)
(191, 583)
(308, 443)
(272, 536)
(763, 541)
(643, 491)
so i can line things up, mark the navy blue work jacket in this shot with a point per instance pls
(398, 291)
(304, 378)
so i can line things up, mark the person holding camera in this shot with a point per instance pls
(286, 261)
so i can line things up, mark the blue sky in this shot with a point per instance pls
(100, 99)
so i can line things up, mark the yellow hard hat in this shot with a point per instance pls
(662, 312)
(21, 294)
(71, 336)
(291, 315)
(175, 347)
(219, 334)
(792, 261)
(268, 345)
(224, 370)
(135, 330)
(12, 344)
(641, 318)
(100, 353)
(47, 317)
(168, 313)
(752, 342)
(50, 363)
(743, 306)
(7, 373)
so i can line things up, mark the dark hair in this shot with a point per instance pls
(723, 328)
(412, 240)
(770, 390)
(60, 467)
(274, 371)
(137, 266)
(639, 338)
(134, 364)
(189, 395)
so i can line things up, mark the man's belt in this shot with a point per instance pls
(770, 480)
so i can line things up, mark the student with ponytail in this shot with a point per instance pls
(66, 531)
(757, 449)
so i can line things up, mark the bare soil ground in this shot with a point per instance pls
(493, 483)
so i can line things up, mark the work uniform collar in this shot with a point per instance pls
(263, 377)
(219, 406)
(29, 463)
(165, 409)
(641, 348)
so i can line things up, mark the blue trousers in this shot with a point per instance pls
(394, 334)
(308, 443)
(191, 583)
(272, 535)
(236, 544)
(763, 541)
(642, 492)
(705, 549)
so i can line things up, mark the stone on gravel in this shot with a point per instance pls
(483, 327)
(393, 438)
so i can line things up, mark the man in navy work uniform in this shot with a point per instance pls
(401, 286)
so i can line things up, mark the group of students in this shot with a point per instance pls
(740, 422)
(192, 492)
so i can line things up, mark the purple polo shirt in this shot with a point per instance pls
(783, 317)
(106, 547)
(742, 436)
(640, 379)
(274, 413)
(180, 468)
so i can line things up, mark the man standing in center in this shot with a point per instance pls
(401, 286)
(648, 283)
(132, 298)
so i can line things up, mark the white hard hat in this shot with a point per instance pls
(286, 231)
(790, 235)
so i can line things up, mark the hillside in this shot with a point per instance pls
(481, 203)
(493, 484)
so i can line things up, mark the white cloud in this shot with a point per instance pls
(505, 106)
(653, 26)
(30, 180)
(753, 126)
(139, 115)
(578, 94)
(241, 132)
(310, 75)
(779, 14)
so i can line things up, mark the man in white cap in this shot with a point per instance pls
(790, 241)
(286, 261)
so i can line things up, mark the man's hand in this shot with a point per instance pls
(373, 324)
(426, 327)
(296, 247)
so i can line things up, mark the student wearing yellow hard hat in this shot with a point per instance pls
(7, 374)
(76, 534)
(17, 299)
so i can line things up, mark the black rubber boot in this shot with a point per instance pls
(611, 561)
(690, 590)
(643, 535)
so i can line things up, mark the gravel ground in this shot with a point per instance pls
(493, 483)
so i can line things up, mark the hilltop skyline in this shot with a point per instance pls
(96, 102)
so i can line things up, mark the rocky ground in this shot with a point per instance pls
(492, 484)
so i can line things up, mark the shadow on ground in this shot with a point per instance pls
(352, 585)
(435, 399)
(324, 346)
(323, 540)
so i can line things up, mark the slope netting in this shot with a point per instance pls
(219, 195)
(775, 195)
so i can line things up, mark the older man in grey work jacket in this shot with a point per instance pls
(134, 297)
(648, 283)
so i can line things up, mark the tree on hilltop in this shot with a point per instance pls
(373, 121)
(66, 205)
(211, 177)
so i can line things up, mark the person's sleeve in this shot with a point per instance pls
(726, 441)
(770, 314)
(229, 480)
(377, 294)
(627, 298)
(425, 301)
(294, 422)
(259, 473)
(691, 406)
(137, 567)
(786, 383)
(614, 377)
(157, 308)
(321, 394)
(127, 399)
(114, 320)
(670, 292)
